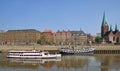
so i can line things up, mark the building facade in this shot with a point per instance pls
(49, 37)
(63, 37)
(1, 32)
(109, 35)
(79, 37)
(71, 37)
(20, 37)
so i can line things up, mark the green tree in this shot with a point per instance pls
(42, 40)
(97, 39)
(52, 41)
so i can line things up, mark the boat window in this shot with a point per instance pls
(46, 53)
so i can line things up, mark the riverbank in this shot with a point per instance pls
(48, 48)
(54, 48)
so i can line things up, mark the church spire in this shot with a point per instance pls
(110, 27)
(104, 27)
(116, 29)
(104, 22)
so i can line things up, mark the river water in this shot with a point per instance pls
(96, 62)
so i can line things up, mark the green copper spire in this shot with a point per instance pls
(116, 29)
(110, 27)
(104, 22)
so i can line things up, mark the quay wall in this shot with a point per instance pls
(107, 50)
(107, 47)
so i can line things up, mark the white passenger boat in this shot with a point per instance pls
(31, 54)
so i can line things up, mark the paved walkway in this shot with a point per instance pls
(5, 48)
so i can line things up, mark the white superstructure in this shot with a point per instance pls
(32, 54)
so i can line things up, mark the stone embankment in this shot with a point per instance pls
(107, 49)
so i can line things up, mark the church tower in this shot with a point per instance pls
(104, 26)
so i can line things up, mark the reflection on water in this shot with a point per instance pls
(101, 62)
(109, 62)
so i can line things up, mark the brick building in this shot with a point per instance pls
(63, 37)
(79, 37)
(19, 37)
(71, 37)
(31, 36)
(1, 32)
(49, 36)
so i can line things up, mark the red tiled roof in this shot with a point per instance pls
(48, 31)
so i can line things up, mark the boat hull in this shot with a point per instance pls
(80, 51)
(43, 57)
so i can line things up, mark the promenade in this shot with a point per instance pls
(6, 48)
(55, 48)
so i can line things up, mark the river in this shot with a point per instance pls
(96, 62)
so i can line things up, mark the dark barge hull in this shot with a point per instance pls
(76, 53)
(81, 54)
